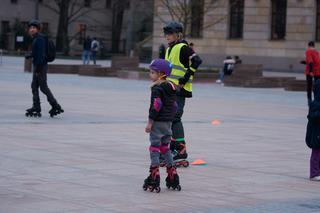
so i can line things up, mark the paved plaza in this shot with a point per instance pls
(94, 157)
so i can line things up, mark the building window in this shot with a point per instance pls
(14, 1)
(318, 21)
(108, 4)
(197, 10)
(87, 3)
(5, 27)
(236, 19)
(278, 19)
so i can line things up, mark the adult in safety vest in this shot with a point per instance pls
(184, 63)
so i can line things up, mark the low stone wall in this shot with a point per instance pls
(242, 77)
(98, 71)
(64, 68)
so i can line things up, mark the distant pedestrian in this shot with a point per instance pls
(228, 65)
(163, 108)
(162, 51)
(40, 66)
(313, 133)
(95, 46)
(312, 69)
(86, 50)
(237, 60)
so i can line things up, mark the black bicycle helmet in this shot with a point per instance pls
(173, 27)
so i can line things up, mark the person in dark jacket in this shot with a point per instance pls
(313, 133)
(40, 67)
(86, 50)
(162, 110)
(185, 63)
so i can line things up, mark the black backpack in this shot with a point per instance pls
(51, 50)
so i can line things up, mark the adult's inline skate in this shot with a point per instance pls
(55, 110)
(34, 111)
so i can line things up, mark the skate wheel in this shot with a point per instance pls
(158, 189)
(144, 187)
(178, 188)
(186, 164)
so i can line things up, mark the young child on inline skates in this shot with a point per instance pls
(162, 110)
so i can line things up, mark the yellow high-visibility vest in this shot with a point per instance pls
(178, 70)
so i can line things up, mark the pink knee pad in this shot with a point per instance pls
(164, 148)
(154, 149)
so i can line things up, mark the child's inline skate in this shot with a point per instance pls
(34, 111)
(55, 110)
(152, 182)
(172, 180)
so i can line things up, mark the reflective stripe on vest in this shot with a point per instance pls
(178, 70)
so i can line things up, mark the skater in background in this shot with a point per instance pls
(40, 67)
(312, 69)
(185, 62)
(95, 46)
(228, 65)
(86, 51)
(162, 110)
(313, 133)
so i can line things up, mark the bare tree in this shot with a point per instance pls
(68, 12)
(118, 8)
(184, 10)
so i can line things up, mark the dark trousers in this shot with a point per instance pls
(39, 80)
(177, 126)
(310, 80)
(315, 163)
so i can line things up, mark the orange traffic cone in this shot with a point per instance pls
(216, 122)
(199, 162)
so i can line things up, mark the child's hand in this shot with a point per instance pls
(149, 126)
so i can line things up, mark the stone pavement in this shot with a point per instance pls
(94, 158)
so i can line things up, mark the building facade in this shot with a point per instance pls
(274, 33)
(108, 20)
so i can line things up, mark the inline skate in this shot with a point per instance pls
(55, 110)
(34, 111)
(152, 182)
(180, 156)
(172, 180)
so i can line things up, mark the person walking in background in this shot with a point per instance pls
(162, 51)
(86, 50)
(228, 65)
(40, 66)
(95, 46)
(163, 108)
(184, 62)
(313, 133)
(312, 69)
(237, 60)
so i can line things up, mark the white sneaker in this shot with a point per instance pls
(316, 178)
(218, 81)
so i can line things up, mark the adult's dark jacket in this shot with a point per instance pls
(38, 54)
(163, 105)
(313, 126)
